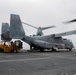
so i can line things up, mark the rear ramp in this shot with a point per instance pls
(16, 28)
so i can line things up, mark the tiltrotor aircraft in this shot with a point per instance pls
(39, 29)
(53, 41)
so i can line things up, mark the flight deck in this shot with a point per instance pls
(38, 63)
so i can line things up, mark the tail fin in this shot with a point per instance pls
(5, 27)
(5, 32)
(16, 29)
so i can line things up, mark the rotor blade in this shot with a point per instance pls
(53, 26)
(30, 25)
(74, 20)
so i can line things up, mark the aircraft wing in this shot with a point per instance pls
(65, 33)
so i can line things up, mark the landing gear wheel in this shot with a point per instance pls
(70, 49)
(53, 50)
(1, 50)
(16, 51)
(41, 50)
(30, 47)
(12, 50)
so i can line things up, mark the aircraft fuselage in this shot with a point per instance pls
(48, 42)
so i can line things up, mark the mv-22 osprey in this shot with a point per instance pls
(53, 41)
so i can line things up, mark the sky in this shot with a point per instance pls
(41, 13)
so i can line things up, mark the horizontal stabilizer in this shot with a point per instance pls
(65, 33)
(16, 28)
